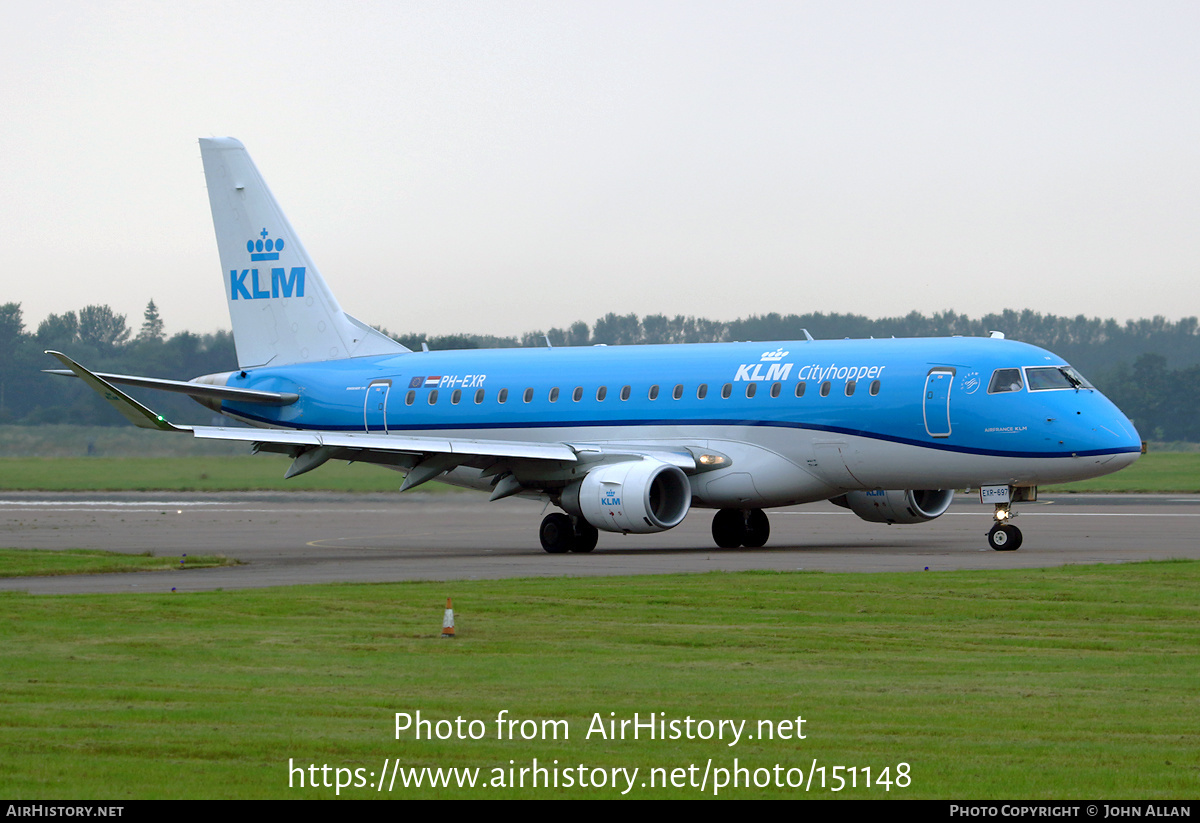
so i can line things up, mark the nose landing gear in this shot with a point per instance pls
(1004, 536)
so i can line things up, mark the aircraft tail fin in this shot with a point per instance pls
(281, 309)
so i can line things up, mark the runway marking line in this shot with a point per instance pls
(1032, 514)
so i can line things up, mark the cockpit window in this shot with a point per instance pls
(1005, 380)
(1045, 378)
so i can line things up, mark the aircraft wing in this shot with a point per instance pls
(513, 465)
(130, 409)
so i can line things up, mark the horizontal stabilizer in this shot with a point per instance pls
(268, 398)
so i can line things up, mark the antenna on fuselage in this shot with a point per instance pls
(424, 346)
(996, 335)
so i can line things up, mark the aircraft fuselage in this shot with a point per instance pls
(800, 420)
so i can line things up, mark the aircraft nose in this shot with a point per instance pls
(1119, 433)
(1104, 438)
(1120, 461)
(1098, 427)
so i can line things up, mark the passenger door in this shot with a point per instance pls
(375, 406)
(937, 401)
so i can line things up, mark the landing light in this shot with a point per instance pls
(712, 460)
(707, 461)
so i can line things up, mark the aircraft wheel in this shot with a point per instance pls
(1004, 538)
(586, 536)
(758, 529)
(557, 533)
(729, 528)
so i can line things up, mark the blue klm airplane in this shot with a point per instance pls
(628, 439)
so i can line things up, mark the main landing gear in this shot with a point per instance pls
(562, 533)
(734, 527)
(1004, 536)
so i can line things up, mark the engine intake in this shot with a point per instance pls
(636, 496)
(897, 506)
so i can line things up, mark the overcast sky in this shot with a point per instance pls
(503, 167)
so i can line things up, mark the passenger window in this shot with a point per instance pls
(528, 395)
(409, 398)
(800, 389)
(851, 385)
(502, 397)
(601, 393)
(1005, 380)
(433, 397)
(479, 396)
(726, 391)
(678, 393)
(456, 396)
(653, 393)
(702, 391)
(874, 387)
(775, 388)
(577, 395)
(554, 395)
(825, 389)
(751, 388)
(625, 390)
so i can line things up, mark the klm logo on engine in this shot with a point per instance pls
(249, 284)
(610, 498)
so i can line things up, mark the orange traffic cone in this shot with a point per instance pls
(448, 620)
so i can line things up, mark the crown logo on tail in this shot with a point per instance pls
(264, 248)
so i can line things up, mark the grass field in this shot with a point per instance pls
(240, 473)
(1076, 682)
(106, 441)
(1053, 683)
(27, 562)
(105, 458)
(1163, 473)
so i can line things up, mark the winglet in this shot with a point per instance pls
(130, 409)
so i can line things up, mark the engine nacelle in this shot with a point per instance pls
(897, 506)
(636, 496)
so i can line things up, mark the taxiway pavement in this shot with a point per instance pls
(301, 538)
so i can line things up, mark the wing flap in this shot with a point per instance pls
(515, 449)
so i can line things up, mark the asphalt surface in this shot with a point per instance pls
(300, 538)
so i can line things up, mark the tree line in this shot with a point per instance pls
(101, 339)
(1148, 367)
